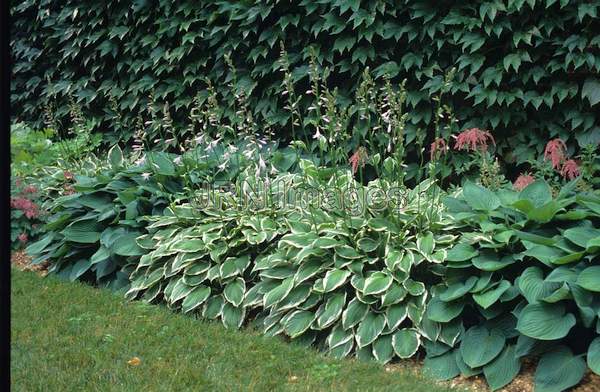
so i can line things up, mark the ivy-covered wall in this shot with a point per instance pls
(528, 70)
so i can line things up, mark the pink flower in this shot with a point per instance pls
(570, 169)
(473, 139)
(358, 158)
(555, 152)
(438, 147)
(23, 238)
(522, 181)
(29, 208)
(30, 189)
(68, 175)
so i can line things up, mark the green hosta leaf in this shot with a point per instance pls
(38, 247)
(487, 298)
(367, 244)
(332, 310)
(126, 245)
(85, 232)
(480, 346)
(426, 243)
(457, 290)
(593, 356)
(544, 213)
(413, 287)
(115, 156)
(79, 268)
(382, 349)
(558, 370)
(491, 262)
(101, 254)
(545, 321)
(334, 279)
(369, 329)
(339, 336)
(581, 235)
(213, 307)
(443, 312)
(442, 367)
(589, 278)
(395, 314)
(461, 252)
(538, 193)
(298, 323)
(377, 283)
(406, 342)
(480, 198)
(503, 369)
(278, 293)
(355, 312)
(532, 286)
(232, 316)
(195, 298)
(308, 269)
(234, 292)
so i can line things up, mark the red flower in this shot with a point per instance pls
(30, 209)
(522, 181)
(473, 139)
(30, 189)
(438, 147)
(555, 151)
(358, 158)
(570, 169)
(23, 238)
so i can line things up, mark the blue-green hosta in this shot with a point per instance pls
(523, 280)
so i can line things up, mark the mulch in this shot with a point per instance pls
(522, 383)
(22, 261)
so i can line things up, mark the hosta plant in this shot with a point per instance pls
(354, 283)
(200, 260)
(524, 280)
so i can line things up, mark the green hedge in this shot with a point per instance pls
(527, 70)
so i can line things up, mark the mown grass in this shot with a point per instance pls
(67, 336)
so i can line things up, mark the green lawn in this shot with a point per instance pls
(68, 336)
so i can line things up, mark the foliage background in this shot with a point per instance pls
(527, 70)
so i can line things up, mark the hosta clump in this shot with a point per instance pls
(200, 260)
(91, 233)
(354, 283)
(524, 280)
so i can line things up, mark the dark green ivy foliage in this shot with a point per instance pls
(528, 70)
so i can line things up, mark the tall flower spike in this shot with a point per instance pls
(438, 148)
(359, 158)
(570, 169)
(555, 151)
(474, 139)
(522, 181)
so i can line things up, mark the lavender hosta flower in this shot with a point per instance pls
(146, 176)
(211, 145)
(177, 160)
(223, 166)
(317, 134)
(141, 161)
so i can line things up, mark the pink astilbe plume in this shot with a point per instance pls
(555, 151)
(522, 181)
(474, 139)
(438, 147)
(358, 159)
(570, 169)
